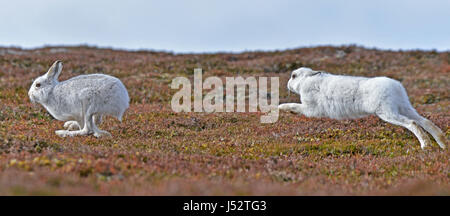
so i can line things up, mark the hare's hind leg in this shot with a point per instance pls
(97, 132)
(428, 125)
(434, 130)
(397, 119)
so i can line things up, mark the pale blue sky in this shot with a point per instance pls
(231, 25)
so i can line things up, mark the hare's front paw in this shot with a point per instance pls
(72, 125)
(284, 107)
(62, 133)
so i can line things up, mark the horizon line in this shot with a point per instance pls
(117, 48)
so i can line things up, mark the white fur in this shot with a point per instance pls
(342, 97)
(81, 100)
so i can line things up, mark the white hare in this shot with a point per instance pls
(81, 100)
(340, 97)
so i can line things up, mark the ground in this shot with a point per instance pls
(156, 151)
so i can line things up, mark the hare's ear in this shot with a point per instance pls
(312, 73)
(55, 70)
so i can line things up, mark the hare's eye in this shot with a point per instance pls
(38, 85)
(293, 76)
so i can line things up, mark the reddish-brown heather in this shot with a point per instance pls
(155, 151)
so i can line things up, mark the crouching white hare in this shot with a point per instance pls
(80, 101)
(342, 97)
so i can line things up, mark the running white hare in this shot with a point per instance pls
(342, 97)
(81, 100)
